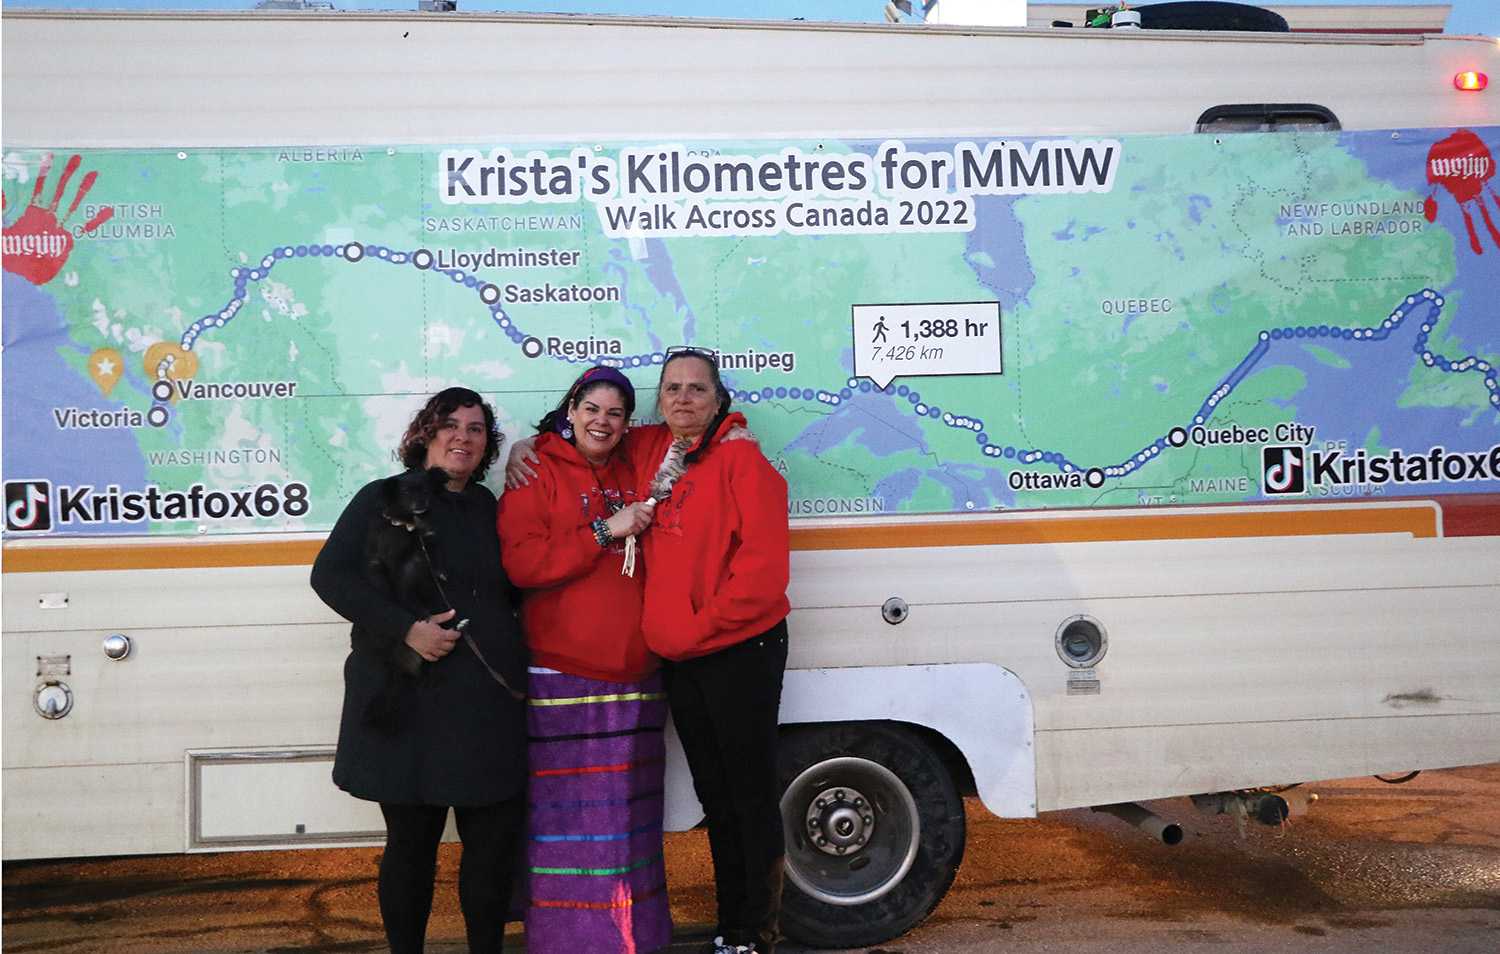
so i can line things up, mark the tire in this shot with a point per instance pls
(890, 802)
(1206, 15)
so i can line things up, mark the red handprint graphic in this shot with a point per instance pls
(1462, 164)
(36, 244)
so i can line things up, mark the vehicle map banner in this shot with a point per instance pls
(233, 340)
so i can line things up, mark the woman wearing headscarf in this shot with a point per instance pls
(596, 707)
(431, 720)
(717, 565)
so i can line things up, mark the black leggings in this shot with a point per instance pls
(724, 706)
(409, 866)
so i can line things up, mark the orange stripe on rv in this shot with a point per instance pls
(1418, 520)
(50, 557)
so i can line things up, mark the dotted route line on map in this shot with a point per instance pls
(489, 294)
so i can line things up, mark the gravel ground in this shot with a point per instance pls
(1369, 866)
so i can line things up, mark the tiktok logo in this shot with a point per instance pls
(28, 506)
(1283, 470)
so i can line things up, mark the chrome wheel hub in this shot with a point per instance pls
(840, 821)
(852, 830)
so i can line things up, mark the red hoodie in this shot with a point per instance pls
(581, 615)
(717, 551)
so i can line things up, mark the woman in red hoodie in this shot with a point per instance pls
(595, 707)
(717, 565)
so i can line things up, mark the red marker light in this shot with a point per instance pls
(1471, 81)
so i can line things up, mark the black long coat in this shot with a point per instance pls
(459, 738)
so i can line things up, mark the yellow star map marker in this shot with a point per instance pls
(105, 367)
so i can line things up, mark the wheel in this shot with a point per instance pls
(874, 832)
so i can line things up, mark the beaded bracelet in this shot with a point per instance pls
(602, 536)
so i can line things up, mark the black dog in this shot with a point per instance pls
(398, 547)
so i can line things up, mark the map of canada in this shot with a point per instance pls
(233, 340)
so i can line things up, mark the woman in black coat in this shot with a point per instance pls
(430, 720)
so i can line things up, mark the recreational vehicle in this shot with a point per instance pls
(1135, 390)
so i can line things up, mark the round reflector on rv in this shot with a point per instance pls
(1471, 81)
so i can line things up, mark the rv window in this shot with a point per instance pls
(1267, 117)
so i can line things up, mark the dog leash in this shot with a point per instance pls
(437, 582)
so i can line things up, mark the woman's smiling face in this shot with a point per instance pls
(458, 446)
(688, 400)
(599, 419)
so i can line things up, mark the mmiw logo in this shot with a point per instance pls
(28, 506)
(1283, 470)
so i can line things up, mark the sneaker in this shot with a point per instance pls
(724, 947)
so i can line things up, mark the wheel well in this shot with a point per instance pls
(950, 755)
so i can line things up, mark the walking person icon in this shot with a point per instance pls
(879, 330)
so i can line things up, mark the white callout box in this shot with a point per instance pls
(923, 340)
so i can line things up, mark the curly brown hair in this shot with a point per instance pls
(413, 447)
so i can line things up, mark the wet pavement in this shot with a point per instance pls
(1368, 867)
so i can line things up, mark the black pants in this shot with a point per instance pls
(485, 872)
(724, 706)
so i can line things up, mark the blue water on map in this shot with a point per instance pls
(997, 251)
(44, 381)
(972, 487)
(874, 421)
(896, 489)
(617, 270)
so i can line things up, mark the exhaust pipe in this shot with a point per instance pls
(1168, 833)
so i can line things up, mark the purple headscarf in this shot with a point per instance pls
(597, 374)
